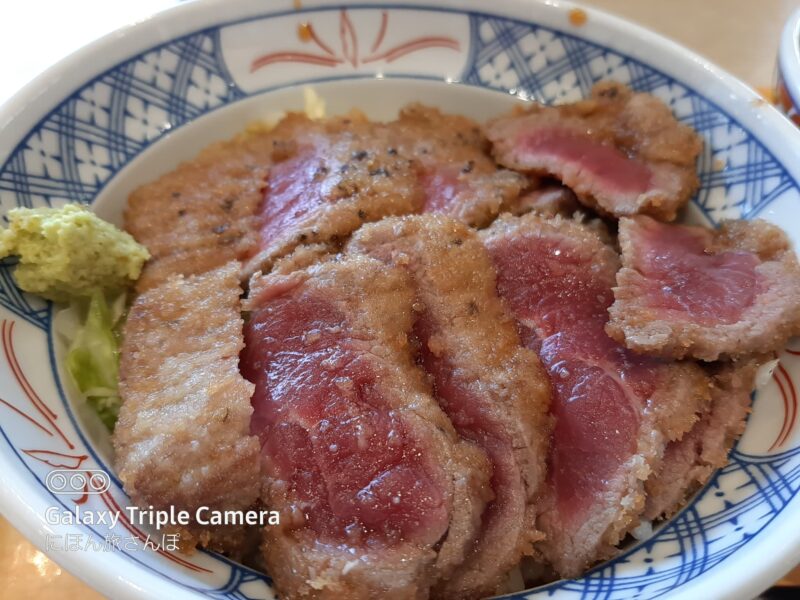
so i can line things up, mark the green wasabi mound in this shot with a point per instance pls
(68, 253)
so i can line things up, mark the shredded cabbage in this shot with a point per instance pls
(92, 331)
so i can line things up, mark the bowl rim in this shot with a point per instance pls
(26, 107)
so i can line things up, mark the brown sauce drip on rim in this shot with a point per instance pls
(578, 17)
(304, 32)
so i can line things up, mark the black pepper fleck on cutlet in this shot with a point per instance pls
(227, 204)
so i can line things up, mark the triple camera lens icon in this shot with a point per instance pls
(65, 481)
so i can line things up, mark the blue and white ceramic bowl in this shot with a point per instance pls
(131, 106)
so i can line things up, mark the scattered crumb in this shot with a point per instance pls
(314, 105)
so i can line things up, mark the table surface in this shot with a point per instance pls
(741, 36)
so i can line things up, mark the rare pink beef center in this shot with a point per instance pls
(599, 389)
(294, 191)
(614, 170)
(352, 465)
(442, 185)
(681, 275)
(473, 418)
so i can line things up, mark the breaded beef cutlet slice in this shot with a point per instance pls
(379, 496)
(687, 291)
(689, 462)
(494, 390)
(457, 174)
(201, 215)
(614, 411)
(183, 435)
(621, 152)
(330, 177)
